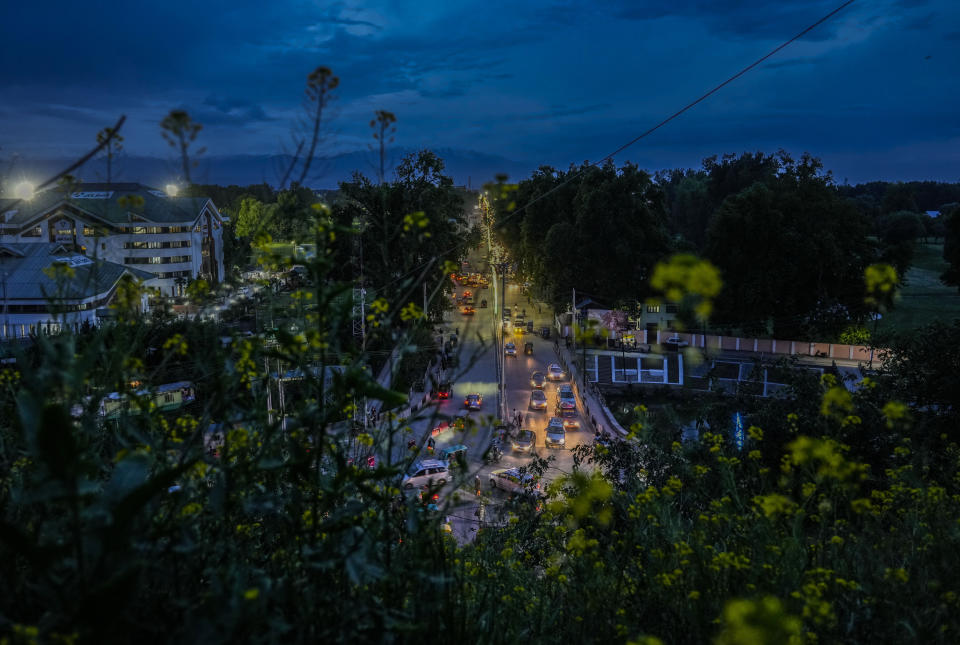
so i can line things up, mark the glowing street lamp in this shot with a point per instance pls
(24, 190)
(172, 190)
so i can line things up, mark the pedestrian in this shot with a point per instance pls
(520, 419)
(476, 481)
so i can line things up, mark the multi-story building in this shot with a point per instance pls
(36, 298)
(174, 238)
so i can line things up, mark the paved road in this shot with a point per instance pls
(517, 375)
(478, 373)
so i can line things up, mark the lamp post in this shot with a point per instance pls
(4, 305)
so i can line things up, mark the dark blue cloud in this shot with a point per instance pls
(549, 81)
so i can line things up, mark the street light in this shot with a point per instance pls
(24, 190)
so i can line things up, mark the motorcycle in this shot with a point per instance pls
(493, 453)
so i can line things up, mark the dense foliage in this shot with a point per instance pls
(835, 522)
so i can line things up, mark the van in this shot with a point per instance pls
(428, 472)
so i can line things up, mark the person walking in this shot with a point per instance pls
(476, 481)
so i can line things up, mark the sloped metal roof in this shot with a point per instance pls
(22, 274)
(110, 203)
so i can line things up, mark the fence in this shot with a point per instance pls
(767, 345)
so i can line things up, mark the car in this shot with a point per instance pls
(555, 372)
(473, 401)
(467, 310)
(565, 392)
(467, 294)
(556, 433)
(525, 441)
(444, 390)
(506, 315)
(427, 472)
(510, 349)
(518, 330)
(676, 342)
(538, 400)
(510, 479)
(538, 380)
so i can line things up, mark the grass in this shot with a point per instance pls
(924, 299)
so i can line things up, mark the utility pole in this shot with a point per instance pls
(424, 297)
(573, 317)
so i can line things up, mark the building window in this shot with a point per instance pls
(33, 232)
(673, 309)
(155, 260)
(653, 309)
(88, 231)
(168, 398)
(139, 230)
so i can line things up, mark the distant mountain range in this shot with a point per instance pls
(466, 167)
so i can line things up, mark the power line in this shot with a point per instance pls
(662, 123)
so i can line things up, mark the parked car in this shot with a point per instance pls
(510, 479)
(555, 372)
(473, 401)
(675, 342)
(510, 349)
(545, 332)
(538, 380)
(556, 434)
(428, 472)
(525, 441)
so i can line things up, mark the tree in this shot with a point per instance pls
(951, 247)
(180, 131)
(898, 233)
(608, 222)
(250, 218)
(789, 252)
(383, 128)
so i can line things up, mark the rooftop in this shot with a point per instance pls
(104, 202)
(22, 273)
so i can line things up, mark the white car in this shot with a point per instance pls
(555, 372)
(676, 341)
(426, 473)
(538, 400)
(510, 480)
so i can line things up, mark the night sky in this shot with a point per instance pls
(875, 93)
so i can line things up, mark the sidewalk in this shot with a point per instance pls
(596, 416)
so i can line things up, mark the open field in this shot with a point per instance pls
(924, 299)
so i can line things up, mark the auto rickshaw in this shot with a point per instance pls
(528, 349)
(456, 455)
